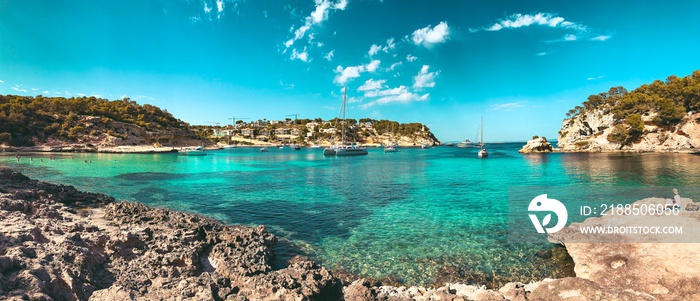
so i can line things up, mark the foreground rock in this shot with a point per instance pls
(60, 244)
(654, 267)
(57, 243)
(536, 145)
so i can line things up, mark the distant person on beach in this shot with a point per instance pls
(676, 202)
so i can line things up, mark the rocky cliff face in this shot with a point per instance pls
(589, 131)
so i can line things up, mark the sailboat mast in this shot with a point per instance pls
(345, 94)
(482, 132)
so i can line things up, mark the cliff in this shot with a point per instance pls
(659, 117)
(57, 243)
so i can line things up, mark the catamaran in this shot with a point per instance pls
(344, 149)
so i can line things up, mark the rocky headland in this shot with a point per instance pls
(57, 243)
(659, 117)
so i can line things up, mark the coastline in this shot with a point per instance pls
(144, 149)
(128, 250)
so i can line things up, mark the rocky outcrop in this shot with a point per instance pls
(60, 244)
(537, 145)
(652, 267)
(57, 243)
(589, 131)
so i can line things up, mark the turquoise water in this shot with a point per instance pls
(415, 217)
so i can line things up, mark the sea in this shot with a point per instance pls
(414, 217)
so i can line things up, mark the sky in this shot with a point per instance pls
(520, 64)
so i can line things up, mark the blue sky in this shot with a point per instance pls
(520, 64)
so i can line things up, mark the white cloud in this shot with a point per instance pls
(19, 89)
(348, 73)
(320, 14)
(424, 79)
(541, 53)
(219, 6)
(355, 99)
(373, 65)
(35, 89)
(374, 49)
(1, 81)
(302, 56)
(570, 37)
(508, 106)
(390, 45)
(601, 38)
(411, 58)
(286, 85)
(46, 92)
(393, 66)
(542, 19)
(429, 36)
(403, 97)
(144, 97)
(83, 94)
(341, 5)
(329, 56)
(595, 78)
(372, 84)
(393, 91)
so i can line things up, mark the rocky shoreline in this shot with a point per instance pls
(57, 243)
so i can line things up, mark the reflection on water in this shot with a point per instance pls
(417, 216)
(634, 169)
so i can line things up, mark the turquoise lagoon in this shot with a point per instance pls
(415, 217)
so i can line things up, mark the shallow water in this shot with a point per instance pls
(416, 216)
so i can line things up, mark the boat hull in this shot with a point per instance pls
(350, 151)
(193, 153)
(483, 153)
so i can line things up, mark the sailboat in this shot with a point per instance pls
(344, 149)
(482, 153)
(391, 148)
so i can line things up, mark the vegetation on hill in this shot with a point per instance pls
(662, 103)
(26, 120)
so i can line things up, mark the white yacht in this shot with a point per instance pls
(344, 149)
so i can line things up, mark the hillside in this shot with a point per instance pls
(86, 123)
(659, 117)
(320, 132)
(96, 124)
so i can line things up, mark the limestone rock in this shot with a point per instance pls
(536, 145)
(589, 132)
